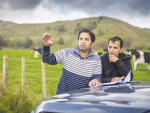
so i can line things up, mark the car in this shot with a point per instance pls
(123, 97)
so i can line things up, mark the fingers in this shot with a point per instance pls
(117, 79)
(91, 83)
(123, 77)
(94, 82)
(46, 36)
(120, 78)
(98, 83)
(113, 80)
(110, 58)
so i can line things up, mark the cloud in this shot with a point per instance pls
(92, 7)
(40, 15)
(134, 12)
(19, 4)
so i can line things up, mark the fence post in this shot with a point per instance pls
(43, 79)
(5, 64)
(23, 74)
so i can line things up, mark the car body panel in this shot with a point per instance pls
(126, 97)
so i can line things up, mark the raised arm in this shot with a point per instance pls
(47, 57)
(51, 58)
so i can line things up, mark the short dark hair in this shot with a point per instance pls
(116, 38)
(87, 31)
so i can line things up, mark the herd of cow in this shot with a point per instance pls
(139, 57)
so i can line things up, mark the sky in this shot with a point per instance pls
(134, 12)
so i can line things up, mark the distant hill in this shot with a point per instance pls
(147, 29)
(103, 27)
(5, 23)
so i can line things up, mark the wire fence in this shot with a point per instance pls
(33, 75)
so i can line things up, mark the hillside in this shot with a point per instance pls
(5, 23)
(103, 27)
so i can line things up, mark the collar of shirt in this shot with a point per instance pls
(77, 51)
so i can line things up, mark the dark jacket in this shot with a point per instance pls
(118, 69)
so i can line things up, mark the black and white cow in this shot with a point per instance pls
(37, 52)
(129, 51)
(99, 53)
(139, 57)
(105, 51)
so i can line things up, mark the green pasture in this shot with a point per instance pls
(33, 74)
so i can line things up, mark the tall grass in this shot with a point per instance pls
(15, 102)
(33, 78)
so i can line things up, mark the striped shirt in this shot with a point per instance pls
(77, 71)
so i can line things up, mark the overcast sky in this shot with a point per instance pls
(134, 12)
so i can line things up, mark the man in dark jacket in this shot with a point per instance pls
(115, 64)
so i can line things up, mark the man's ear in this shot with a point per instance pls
(92, 44)
(121, 50)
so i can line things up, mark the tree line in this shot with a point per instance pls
(21, 43)
(15, 42)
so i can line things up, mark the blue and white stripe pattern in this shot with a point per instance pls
(77, 71)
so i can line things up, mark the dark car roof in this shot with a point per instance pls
(124, 98)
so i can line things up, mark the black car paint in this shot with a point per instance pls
(124, 98)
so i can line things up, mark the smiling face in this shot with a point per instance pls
(85, 42)
(114, 48)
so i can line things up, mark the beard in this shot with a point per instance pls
(83, 50)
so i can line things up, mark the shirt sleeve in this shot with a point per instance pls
(105, 80)
(60, 56)
(98, 71)
(52, 58)
(124, 67)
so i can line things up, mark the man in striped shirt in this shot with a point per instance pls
(81, 67)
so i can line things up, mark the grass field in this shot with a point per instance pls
(33, 75)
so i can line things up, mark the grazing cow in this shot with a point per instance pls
(105, 50)
(37, 52)
(99, 53)
(129, 51)
(140, 57)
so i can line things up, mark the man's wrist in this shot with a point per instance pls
(116, 59)
(46, 48)
(47, 45)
